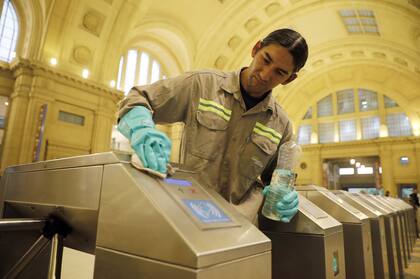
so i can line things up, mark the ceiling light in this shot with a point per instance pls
(352, 161)
(6, 103)
(85, 73)
(357, 164)
(112, 83)
(53, 61)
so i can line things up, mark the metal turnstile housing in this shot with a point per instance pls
(357, 235)
(377, 227)
(306, 247)
(137, 226)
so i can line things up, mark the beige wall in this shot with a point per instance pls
(36, 85)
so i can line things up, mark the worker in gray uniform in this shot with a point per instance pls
(233, 125)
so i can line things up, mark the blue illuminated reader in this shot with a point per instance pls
(206, 211)
(178, 182)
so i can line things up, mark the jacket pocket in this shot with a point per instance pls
(256, 154)
(209, 135)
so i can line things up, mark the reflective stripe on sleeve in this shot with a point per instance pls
(269, 133)
(208, 105)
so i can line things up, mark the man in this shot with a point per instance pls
(414, 201)
(233, 126)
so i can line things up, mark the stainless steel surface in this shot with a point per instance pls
(398, 234)
(391, 237)
(121, 265)
(56, 257)
(21, 224)
(309, 242)
(356, 228)
(115, 208)
(172, 226)
(410, 221)
(403, 228)
(40, 244)
(377, 227)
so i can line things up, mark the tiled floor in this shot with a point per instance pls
(413, 270)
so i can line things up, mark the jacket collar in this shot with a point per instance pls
(231, 84)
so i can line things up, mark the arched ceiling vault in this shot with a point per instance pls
(213, 33)
(383, 77)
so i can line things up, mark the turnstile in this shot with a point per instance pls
(410, 221)
(357, 235)
(137, 226)
(391, 229)
(311, 246)
(377, 227)
(403, 228)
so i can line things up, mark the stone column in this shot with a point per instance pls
(385, 155)
(18, 115)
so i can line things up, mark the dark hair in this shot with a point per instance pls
(291, 40)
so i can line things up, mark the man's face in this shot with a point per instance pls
(272, 65)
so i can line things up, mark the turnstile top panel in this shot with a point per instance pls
(370, 211)
(402, 203)
(385, 204)
(310, 219)
(77, 161)
(333, 205)
(371, 200)
(392, 203)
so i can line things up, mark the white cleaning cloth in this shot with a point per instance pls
(136, 162)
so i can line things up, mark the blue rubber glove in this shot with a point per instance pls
(287, 207)
(151, 145)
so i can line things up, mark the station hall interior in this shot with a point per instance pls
(355, 107)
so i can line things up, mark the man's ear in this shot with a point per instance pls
(290, 79)
(256, 48)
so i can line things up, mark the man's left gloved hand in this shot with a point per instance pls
(287, 206)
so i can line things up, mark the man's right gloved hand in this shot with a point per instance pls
(151, 145)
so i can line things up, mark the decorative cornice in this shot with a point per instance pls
(95, 88)
(380, 141)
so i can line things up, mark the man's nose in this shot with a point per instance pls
(265, 74)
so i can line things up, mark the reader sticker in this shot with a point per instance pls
(178, 182)
(206, 211)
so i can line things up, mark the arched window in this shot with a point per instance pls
(353, 114)
(9, 30)
(138, 67)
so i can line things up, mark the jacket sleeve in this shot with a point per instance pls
(169, 99)
(271, 166)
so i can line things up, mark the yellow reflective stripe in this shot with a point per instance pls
(269, 133)
(216, 105)
(214, 110)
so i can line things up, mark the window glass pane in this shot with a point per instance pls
(325, 106)
(155, 71)
(130, 70)
(71, 118)
(351, 21)
(367, 100)
(8, 31)
(144, 68)
(354, 29)
(304, 134)
(370, 127)
(308, 114)
(398, 125)
(389, 103)
(345, 101)
(326, 132)
(347, 13)
(347, 130)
